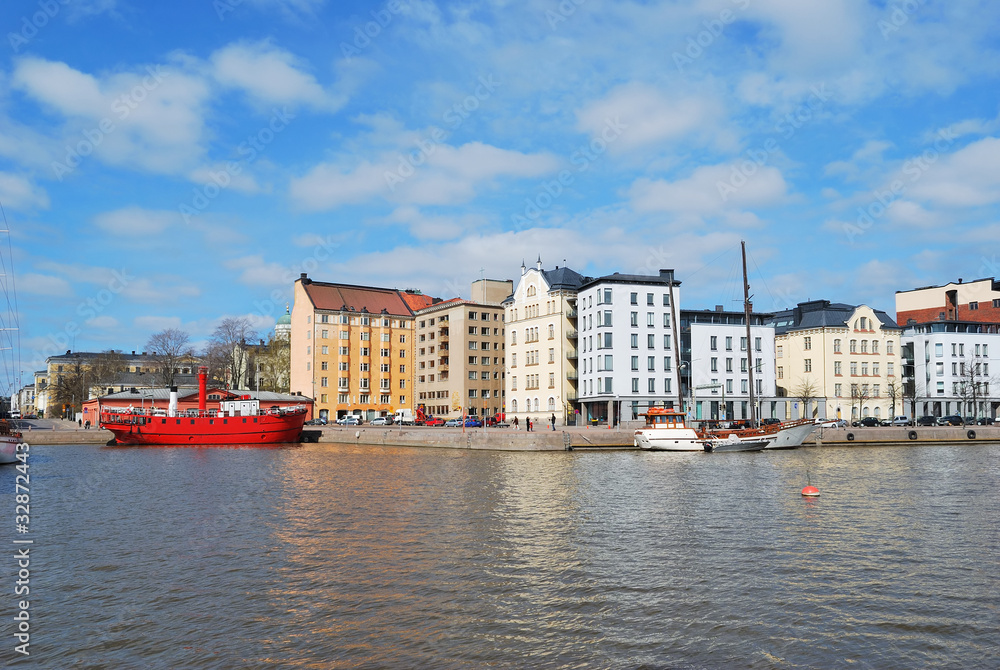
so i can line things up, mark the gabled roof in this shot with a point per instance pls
(823, 314)
(561, 279)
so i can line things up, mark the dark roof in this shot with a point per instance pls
(994, 285)
(730, 317)
(664, 278)
(822, 314)
(563, 279)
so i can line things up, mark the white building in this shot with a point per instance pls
(540, 317)
(714, 345)
(951, 367)
(628, 356)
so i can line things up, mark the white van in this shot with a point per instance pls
(901, 421)
(403, 417)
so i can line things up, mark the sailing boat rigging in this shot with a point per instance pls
(10, 347)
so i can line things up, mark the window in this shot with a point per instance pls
(854, 368)
(714, 364)
(666, 320)
(729, 365)
(939, 350)
(651, 363)
(837, 369)
(743, 365)
(807, 343)
(854, 346)
(864, 346)
(864, 369)
(666, 341)
(666, 300)
(744, 385)
(838, 390)
(666, 363)
(635, 363)
(651, 341)
(836, 346)
(889, 369)
(650, 319)
(634, 299)
(779, 351)
(888, 347)
(325, 381)
(607, 341)
(635, 384)
(552, 355)
(325, 349)
(635, 341)
(651, 386)
(781, 374)
(875, 369)
(864, 323)
(635, 318)
(713, 343)
(973, 305)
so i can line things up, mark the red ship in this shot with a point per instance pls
(238, 421)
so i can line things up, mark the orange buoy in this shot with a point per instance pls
(810, 491)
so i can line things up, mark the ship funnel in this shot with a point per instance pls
(202, 393)
(172, 410)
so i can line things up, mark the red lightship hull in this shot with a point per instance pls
(263, 428)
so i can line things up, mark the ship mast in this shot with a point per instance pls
(746, 316)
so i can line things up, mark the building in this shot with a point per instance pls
(541, 347)
(352, 347)
(976, 301)
(24, 401)
(460, 353)
(715, 372)
(838, 360)
(947, 366)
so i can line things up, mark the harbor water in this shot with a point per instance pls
(320, 556)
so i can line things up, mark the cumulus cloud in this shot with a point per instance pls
(136, 221)
(20, 193)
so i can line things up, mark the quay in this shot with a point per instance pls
(564, 438)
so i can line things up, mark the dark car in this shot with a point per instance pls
(868, 421)
(769, 422)
(473, 423)
(950, 420)
(927, 421)
(985, 421)
(320, 421)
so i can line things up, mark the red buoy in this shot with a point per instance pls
(810, 491)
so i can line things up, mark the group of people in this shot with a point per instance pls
(528, 423)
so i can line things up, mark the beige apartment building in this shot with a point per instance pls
(460, 353)
(352, 348)
(839, 361)
(542, 356)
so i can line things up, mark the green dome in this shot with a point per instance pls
(285, 320)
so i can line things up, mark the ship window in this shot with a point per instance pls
(255, 419)
(178, 422)
(211, 422)
(163, 420)
(225, 421)
(244, 421)
(192, 422)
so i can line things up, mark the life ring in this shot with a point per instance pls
(850, 437)
(912, 435)
(971, 434)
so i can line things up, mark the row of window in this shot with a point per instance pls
(605, 295)
(838, 370)
(606, 341)
(713, 343)
(531, 402)
(958, 349)
(361, 399)
(605, 385)
(363, 351)
(837, 349)
(959, 368)
(363, 383)
(605, 363)
(360, 320)
(532, 381)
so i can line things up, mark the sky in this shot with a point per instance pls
(169, 165)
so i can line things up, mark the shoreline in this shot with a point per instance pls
(567, 438)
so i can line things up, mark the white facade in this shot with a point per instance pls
(720, 384)
(541, 352)
(947, 359)
(628, 359)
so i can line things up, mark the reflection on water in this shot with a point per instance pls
(363, 556)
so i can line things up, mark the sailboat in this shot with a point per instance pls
(755, 437)
(10, 349)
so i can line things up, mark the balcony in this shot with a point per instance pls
(571, 334)
(572, 376)
(572, 355)
(571, 396)
(443, 335)
(571, 313)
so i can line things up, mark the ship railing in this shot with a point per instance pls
(120, 412)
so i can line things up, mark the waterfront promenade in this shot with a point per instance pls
(562, 439)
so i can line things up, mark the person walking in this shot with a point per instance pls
(529, 423)
(515, 423)
(553, 421)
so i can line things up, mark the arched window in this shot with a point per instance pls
(552, 404)
(531, 291)
(513, 406)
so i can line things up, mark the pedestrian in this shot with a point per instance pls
(529, 423)
(553, 421)
(515, 423)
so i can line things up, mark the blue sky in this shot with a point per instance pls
(172, 164)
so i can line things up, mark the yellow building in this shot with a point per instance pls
(840, 361)
(352, 348)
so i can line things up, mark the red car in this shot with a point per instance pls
(434, 421)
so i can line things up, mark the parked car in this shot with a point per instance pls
(901, 420)
(318, 421)
(950, 420)
(927, 421)
(835, 423)
(472, 422)
(381, 421)
(985, 421)
(769, 421)
(349, 420)
(453, 423)
(868, 421)
(969, 421)
(434, 421)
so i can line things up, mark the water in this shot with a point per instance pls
(341, 557)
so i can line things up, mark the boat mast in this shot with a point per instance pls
(746, 317)
(677, 343)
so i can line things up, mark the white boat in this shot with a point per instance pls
(792, 434)
(736, 443)
(665, 430)
(10, 352)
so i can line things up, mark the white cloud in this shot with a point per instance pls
(712, 190)
(17, 192)
(136, 221)
(255, 271)
(156, 323)
(270, 76)
(103, 322)
(47, 285)
(970, 177)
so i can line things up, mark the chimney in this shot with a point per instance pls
(718, 308)
(172, 408)
(202, 383)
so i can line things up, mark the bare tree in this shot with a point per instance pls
(973, 385)
(228, 343)
(106, 368)
(859, 395)
(805, 392)
(169, 347)
(70, 389)
(910, 394)
(273, 365)
(895, 392)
